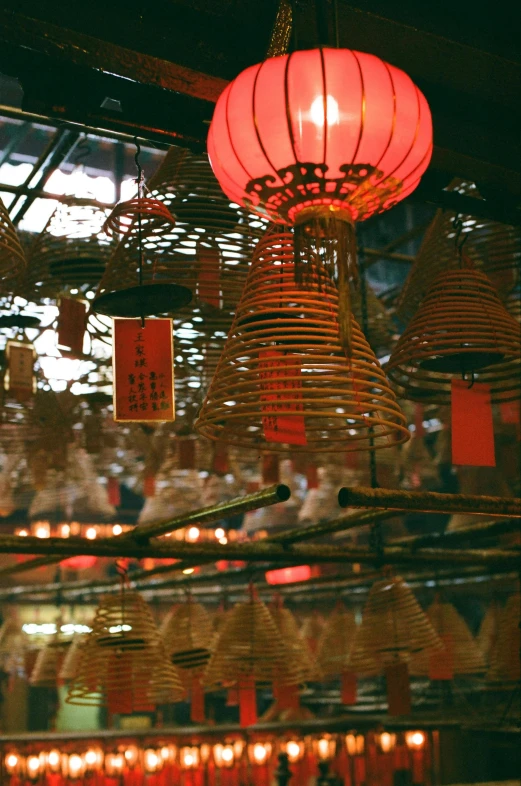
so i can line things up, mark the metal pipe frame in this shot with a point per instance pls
(428, 502)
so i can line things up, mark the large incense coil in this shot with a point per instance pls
(250, 645)
(123, 655)
(488, 630)
(49, 660)
(393, 623)
(461, 329)
(460, 646)
(505, 654)
(495, 248)
(70, 253)
(363, 660)
(187, 633)
(12, 257)
(311, 630)
(297, 649)
(212, 241)
(380, 332)
(71, 661)
(297, 329)
(336, 641)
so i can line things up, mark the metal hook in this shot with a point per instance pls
(140, 177)
(472, 379)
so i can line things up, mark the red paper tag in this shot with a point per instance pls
(208, 286)
(19, 378)
(401, 757)
(232, 697)
(441, 662)
(143, 370)
(119, 671)
(472, 428)
(418, 767)
(418, 421)
(197, 701)
(270, 468)
(220, 462)
(312, 477)
(71, 326)
(113, 492)
(288, 697)
(348, 687)
(149, 486)
(278, 373)
(247, 702)
(187, 454)
(398, 688)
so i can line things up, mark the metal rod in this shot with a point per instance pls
(30, 564)
(259, 499)
(482, 529)
(429, 502)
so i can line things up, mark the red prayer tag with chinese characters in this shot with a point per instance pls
(282, 392)
(472, 426)
(19, 379)
(71, 326)
(143, 370)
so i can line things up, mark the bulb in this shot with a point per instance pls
(91, 758)
(23, 533)
(415, 739)
(42, 532)
(53, 759)
(293, 751)
(117, 529)
(75, 765)
(131, 756)
(386, 741)
(11, 762)
(91, 533)
(219, 533)
(193, 533)
(323, 748)
(227, 755)
(259, 753)
(65, 530)
(33, 766)
(152, 761)
(317, 111)
(188, 571)
(223, 541)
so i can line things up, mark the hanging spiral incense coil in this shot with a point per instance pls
(126, 217)
(461, 649)
(488, 630)
(505, 655)
(461, 329)
(70, 253)
(187, 633)
(297, 648)
(71, 661)
(49, 660)
(123, 662)
(12, 257)
(494, 248)
(213, 239)
(393, 623)
(336, 641)
(286, 338)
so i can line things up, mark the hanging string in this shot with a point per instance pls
(140, 180)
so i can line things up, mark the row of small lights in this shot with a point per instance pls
(42, 529)
(152, 760)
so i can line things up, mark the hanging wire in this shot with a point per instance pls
(140, 180)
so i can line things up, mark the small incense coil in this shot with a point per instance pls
(155, 219)
(336, 641)
(339, 398)
(393, 623)
(49, 660)
(462, 649)
(461, 329)
(70, 253)
(495, 248)
(297, 649)
(311, 630)
(187, 633)
(123, 655)
(505, 655)
(12, 257)
(249, 645)
(71, 661)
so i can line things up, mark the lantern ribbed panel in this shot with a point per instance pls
(71, 252)
(297, 649)
(339, 397)
(320, 127)
(12, 257)
(505, 655)
(463, 649)
(250, 645)
(493, 248)
(187, 633)
(336, 641)
(46, 670)
(461, 327)
(124, 654)
(393, 623)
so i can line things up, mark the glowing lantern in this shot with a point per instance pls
(320, 139)
(325, 748)
(189, 758)
(93, 760)
(415, 740)
(12, 763)
(224, 755)
(33, 766)
(387, 741)
(295, 750)
(114, 764)
(75, 766)
(153, 761)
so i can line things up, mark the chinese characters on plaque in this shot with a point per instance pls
(19, 378)
(143, 363)
(282, 393)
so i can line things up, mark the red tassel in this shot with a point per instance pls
(197, 714)
(312, 477)
(149, 486)
(441, 662)
(120, 670)
(348, 687)
(247, 702)
(220, 459)
(187, 454)
(359, 770)
(270, 468)
(398, 688)
(113, 492)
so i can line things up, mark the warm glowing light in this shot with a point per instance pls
(260, 753)
(42, 531)
(415, 739)
(53, 760)
(317, 111)
(223, 541)
(168, 752)
(65, 530)
(114, 763)
(325, 748)
(219, 533)
(11, 763)
(75, 765)
(33, 766)
(131, 755)
(294, 750)
(23, 533)
(387, 741)
(188, 571)
(152, 761)
(189, 758)
(227, 754)
(117, 529)
(92, 758)
(355, 744)
(91, 533)
(193, 533)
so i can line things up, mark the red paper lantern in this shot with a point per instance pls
(320, 139)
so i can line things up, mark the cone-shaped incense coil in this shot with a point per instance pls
(212, 241)
(495, 248)
(336, 641)
(461, 329)
(284, 378)
(505, 656)
(250, 645)
(461, 648)
(71, 661)
(49, 660)
(393, 623)
(298, 652)
(123, 662)
(187, 633)
(362, 659)
(380, 329)
(140, 278)
(12, 257)
(71, 252)
(311, 630)
(488, 630)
